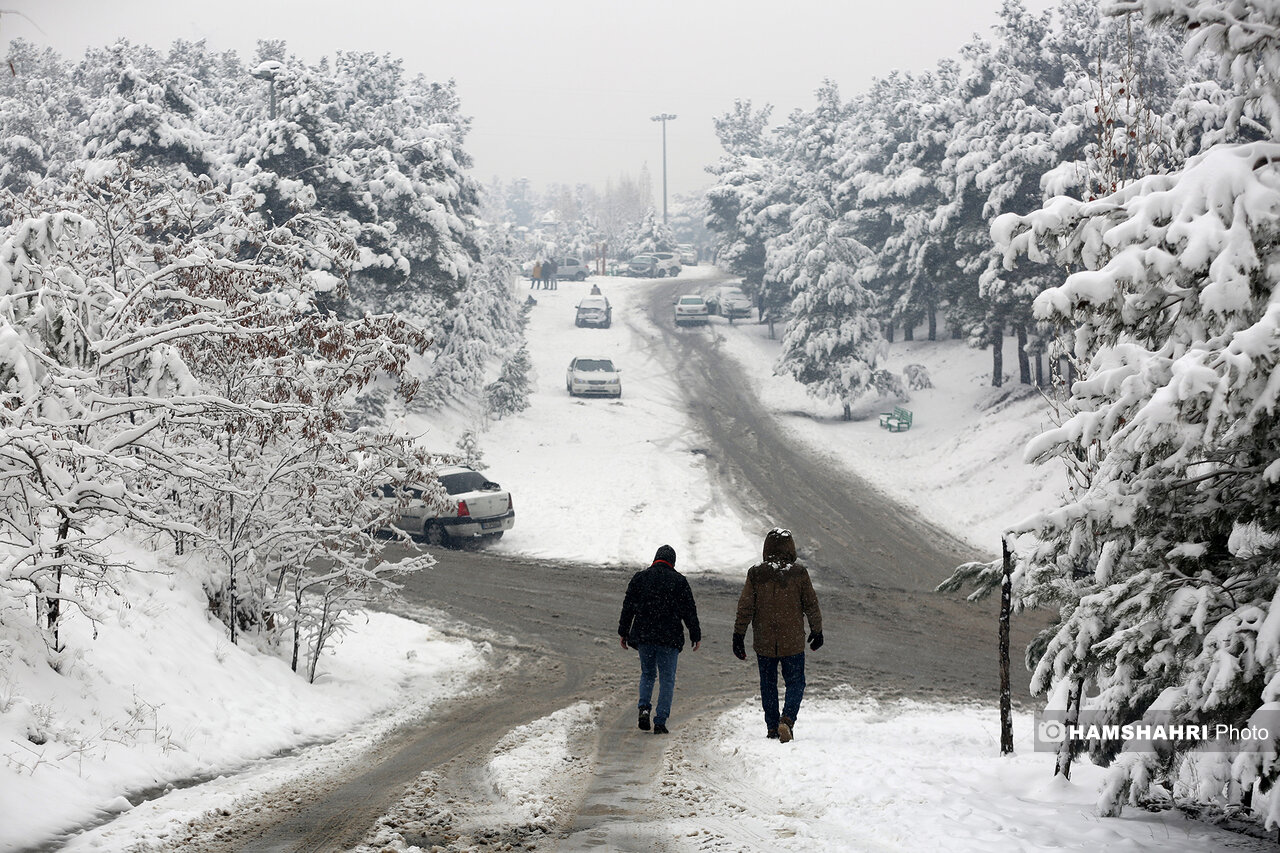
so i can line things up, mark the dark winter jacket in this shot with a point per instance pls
(658, 600)
(776, 598)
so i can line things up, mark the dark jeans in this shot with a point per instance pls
(657, 663)
(792, 675)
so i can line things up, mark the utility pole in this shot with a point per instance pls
(268, 71)
(664, 118)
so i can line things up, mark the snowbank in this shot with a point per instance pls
(154, 694)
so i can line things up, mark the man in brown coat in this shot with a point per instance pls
(776, 599)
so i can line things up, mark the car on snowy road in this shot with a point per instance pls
(473, 508)
(668, 263)
(593, 377)
(730, 302)
(645, 266)
(690, 308)
(594, 311)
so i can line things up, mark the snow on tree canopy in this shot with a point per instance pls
(1175, 311)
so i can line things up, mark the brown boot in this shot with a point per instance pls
(784, 729)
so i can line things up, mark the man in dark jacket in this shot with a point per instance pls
(776, 599)
(658, 600)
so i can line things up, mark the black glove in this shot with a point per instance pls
(815, 640)
(740, 646)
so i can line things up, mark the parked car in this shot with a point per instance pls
(668, 263)
(473, 507)
(691, 309)
(688, 255)
(594, 311)
(571, 269)
(643, 266)
(730, 302)
(567, 269)
(593, 377)
(654, 265)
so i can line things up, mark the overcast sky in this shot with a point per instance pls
(562, 91)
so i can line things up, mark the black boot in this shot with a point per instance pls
(644, 719)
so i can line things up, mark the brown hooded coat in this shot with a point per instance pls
(775, 600)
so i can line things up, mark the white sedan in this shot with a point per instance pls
(593, 377)
(691, 309)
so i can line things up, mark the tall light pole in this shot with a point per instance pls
(664, 118)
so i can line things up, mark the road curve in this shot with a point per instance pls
(553, 630)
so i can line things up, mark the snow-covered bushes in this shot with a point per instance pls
(153, 379)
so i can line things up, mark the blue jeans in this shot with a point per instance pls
(793, 675)
(657, 663)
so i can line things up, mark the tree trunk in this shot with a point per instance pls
(997, 355)
(1039, 369)
(933, 322)
(1066, 748)
(54, 613)
(888, 332)
(848, 412)
(1024, 363)
(908, 330)
(1006, 608)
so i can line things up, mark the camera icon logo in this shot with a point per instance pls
(1051, 731)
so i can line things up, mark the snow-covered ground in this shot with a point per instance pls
(161, 695)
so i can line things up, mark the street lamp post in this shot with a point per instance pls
(664, 118)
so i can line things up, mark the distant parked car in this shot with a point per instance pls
(475, 507)
(668, 263)
(688, 255)
(571, 269)
(594, 311)
(567, 269)
(730, 302)
(691, 309)
(643, 266)
(593, 377)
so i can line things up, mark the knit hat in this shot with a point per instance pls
(666, 554)
(779, 547)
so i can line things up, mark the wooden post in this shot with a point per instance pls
(1006, 606)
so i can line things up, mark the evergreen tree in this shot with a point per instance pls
(833, 343)
(1162, 563)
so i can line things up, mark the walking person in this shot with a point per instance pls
(657, 608)
(536, 275)
(776, 599)
(550, 268)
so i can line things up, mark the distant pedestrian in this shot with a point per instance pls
(595, 289)
(776, 599)
(550, 268)
(657, 608)
(536, 275)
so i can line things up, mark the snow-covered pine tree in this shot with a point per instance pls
(889, 170)
(742, 209)
(809, 155)
(1164, 566)
(156, 121)
(833, 343)
(651, 234)
(36, 133)
(509, 393)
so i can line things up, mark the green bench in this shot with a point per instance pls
(899, 420)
